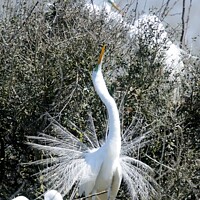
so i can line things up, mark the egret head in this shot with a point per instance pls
(112, 2)
(52, 195)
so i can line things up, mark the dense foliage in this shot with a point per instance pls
(45, 65)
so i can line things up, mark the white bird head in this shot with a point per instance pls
(106, 4)
(49, 195)
(20, 198)
(114, 5)
(52, 195)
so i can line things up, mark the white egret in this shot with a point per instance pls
(49, 195)
(90, 168)
(106, 169)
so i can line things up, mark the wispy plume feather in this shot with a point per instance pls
(66, 168)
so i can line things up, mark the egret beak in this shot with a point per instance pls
(100, 58)
(101, 54)
(115, 6)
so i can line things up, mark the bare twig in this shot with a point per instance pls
(182, 42)
(18, 191)
(92, 195)
(169, 9)
(184, 23)
(23, 24)
(159, 163)
(166, 6)
(30, 13)
(188, 16)
(135, 10)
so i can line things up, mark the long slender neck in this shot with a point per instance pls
(102, 91)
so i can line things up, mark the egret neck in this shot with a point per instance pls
(114, 137)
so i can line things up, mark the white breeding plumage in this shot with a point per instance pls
(90, 168)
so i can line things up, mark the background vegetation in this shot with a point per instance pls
(45, 67)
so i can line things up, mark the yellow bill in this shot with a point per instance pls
(101, 54)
